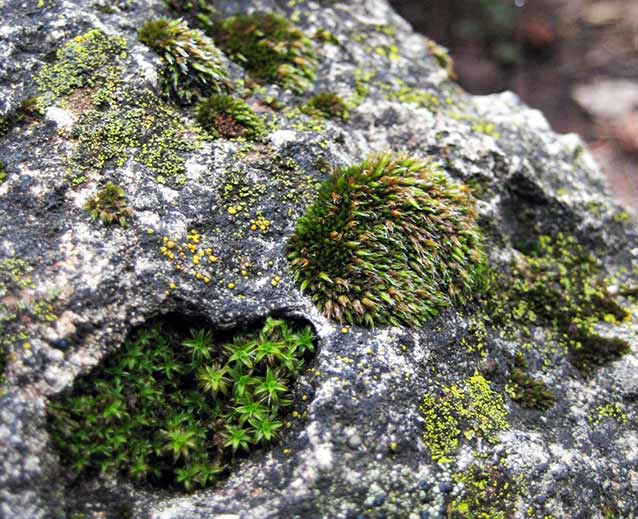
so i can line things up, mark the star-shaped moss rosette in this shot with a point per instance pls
(192, 62)
(389, 241)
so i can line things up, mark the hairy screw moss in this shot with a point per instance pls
(388, 241)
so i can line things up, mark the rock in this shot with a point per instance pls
(595, 98)
(196, 237)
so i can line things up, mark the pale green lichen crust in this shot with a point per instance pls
(388, 241)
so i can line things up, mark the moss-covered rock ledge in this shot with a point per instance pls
(266, 259)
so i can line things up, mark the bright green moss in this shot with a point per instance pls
(488, 493)
(527, 391)
(83, 62)
(326, 104)
(172, 409)
(559, 286)
(388, 241)
(109, 205)
(442, 58)
(470, 411)
(269, 47)
(224, 116)
(192, 64)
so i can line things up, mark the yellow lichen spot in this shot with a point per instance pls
(345, 330)
(172, 286)
(232, 210)
(393, 446)
(231, 285)
(196, 260)
(149, 231)
(212, 258)
(170, 244)
(27, 345)
(206, 280)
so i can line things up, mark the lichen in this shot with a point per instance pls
(610, 410)
(84, 62)
(472, 410)
(388, 241)
(224, 116)
(176, 408)
(109, 205)
(269, 47)
(192, 65)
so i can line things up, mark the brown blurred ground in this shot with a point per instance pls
(575, 60)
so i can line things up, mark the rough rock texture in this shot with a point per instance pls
(356, 449)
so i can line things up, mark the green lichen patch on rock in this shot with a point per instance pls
(192, 64)
(172, 408)
(224, 116)
(84, 62)
(269, 47)
(471, 410)
(109, 205)
(388, 241)
(558, 285)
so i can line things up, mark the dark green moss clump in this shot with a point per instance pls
(109, 205)
(28, 111)
(326, 104)
(556, 284)
(192, 62)
(3, 173)
(222, 115)
(388, 241)
(269, 47)
(527, 391)
(171, 409)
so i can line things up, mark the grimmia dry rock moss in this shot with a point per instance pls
(192, 62)
(388, 241)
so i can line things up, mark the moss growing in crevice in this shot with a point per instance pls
(471, 410)
(269, 47)
(3, 173)
(527, 391)
(224, 116)
(192, 64)
(174, 408)
(29, 110)
(326, 104)
(388, 241)
(109, 205)
(558, 285)
(442, 58)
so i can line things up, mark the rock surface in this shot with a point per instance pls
(357, 448)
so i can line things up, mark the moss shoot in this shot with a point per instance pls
(224, 116)
(269, 47)
(388, 241)
(109, 205)
(192, 62)
(176, 410)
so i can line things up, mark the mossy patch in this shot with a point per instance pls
(224, 116)
(388, 241)
(3, 173)
(326, 104)
(109, 205)
(29, 110)
(84, 62)
(527, 391)
(192, 65)
(176, 408)
(556, 284)
(469, 411)
(442, 58)
(269, 47)
(488, 493)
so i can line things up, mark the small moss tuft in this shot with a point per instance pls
(192, 62)
(175, 409)
(388, 241)
(222, 115)
(3, 173)
(269, 47)
(109, 205)
(527, 391)
(326, 104)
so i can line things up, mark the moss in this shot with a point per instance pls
(192, 64)
(109, 205)
(326, 104)
(558, 285)
(176, 409)
(473, 410)
(269, 47)
(488, 493)
(221, 115)
(527, 391)
(3, 173)
(442, 58)
(388, 241)
(84, 62)
(29, 110)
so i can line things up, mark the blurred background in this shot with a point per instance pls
(575, 60)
